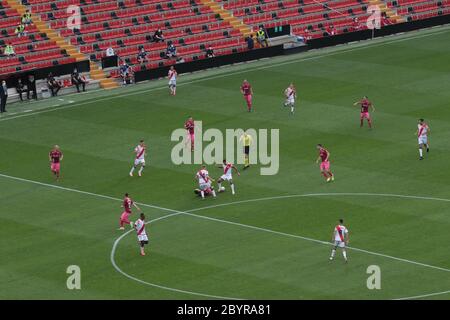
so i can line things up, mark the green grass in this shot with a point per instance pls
(218, 251)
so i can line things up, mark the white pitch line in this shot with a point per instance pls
(363, 45)
(189, 213)
(424, 295)
(113, 262)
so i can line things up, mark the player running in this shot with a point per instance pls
(189, 125)
(172, 76)
(247, 91)
(139, 160)
(227, 176)
(324, 156)
(247, 141)
(422, 136)
(139, 226)
(340, 239)
(125, 216)
(55, 156)
(291, 94)
(365, 105)
(204, 182)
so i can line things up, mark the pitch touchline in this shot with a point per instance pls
(189, 213)
(250, 69)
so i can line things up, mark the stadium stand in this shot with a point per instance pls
(192, 25)
(419, 9)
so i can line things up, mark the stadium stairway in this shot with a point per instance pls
(390, 12)
(95, 72)
(228, 16)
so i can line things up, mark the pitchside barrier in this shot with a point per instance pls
(278, 50)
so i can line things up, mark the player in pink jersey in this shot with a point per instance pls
(247, 91)
(365, 105)
(340, 239)
(324, 156)
(189, 125)
(55, 156)
(139, 160)
(172, 76)
(227, 176)
(127, 204)
(423, 130)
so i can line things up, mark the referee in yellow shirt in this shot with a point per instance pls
(246, 140)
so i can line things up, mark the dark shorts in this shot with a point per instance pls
(247, 149)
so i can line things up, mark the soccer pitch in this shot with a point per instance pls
(272, 239)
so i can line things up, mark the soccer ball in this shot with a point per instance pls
(222, 189)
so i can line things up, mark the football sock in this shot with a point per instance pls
(421, 152)
(132, 170)
(219, 184)
(202, 193)
(213, 193)
(333, 252)
(344, 253)
(141, 169)
(232, 188)
(325, 175)
(292, 109)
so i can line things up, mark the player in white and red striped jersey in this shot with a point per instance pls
(227, 175)
(290, 94)
(422, 136)
(172, 76)
(139, 160)
(139, 226)
(127, 204)
(205, 183)
(340, 239)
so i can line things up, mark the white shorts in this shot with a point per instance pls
(142, 237)
(340, 244)
(139, 162)
(172, 83)
(204, 186)
(423, 140)
(226, 177)
(290, 101)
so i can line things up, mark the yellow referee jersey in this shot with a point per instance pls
(246, 139)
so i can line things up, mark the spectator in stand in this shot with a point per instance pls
(3, 96)
(385, 21)
(210, 52)
(250, 42)
(158, 36)
(171, 51)
(330, 30)
(307, 35)
(20, 30)
(142, 56)
(77, 79)
(110, 52)
(356, 26)
(261, 37)
(21, 88)
(9, 50)
(53, 84)
(125, 73)
(31, 86)
(26, 18)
